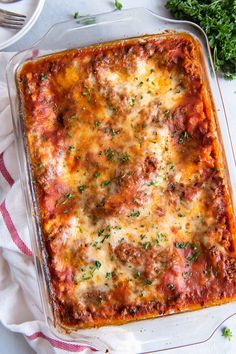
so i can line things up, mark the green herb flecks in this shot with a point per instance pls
(90, 272)
(146, 245)
(147, 281)
(96, 174)
(227, 333)
(43, 77)
(105, 183)
(118, 5)
(76, 15)
(183, 137)
(134, 214)
(181, 244)
(125, 157)
(110, 153)
(195, 254)
(82, 188)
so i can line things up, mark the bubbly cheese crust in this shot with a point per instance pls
(134, 209)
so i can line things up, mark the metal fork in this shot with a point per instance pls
(11, 19)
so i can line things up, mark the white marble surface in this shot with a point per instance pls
(59, 10)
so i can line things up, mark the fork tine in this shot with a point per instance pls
(10, 26)
(10, 13)
(12, 18)
(12, 22)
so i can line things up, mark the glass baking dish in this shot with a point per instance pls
(162, 333)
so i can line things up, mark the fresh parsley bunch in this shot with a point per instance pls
(218, 19)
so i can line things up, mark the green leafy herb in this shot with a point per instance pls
(39, 165)
(160, 237)
(183, 137)
(227, 333)
(218, 19)
(195, 254)
(96, 174)
(100, 232)
(109, 275)
(43, 77)
(132, 101)
(76, 15)
(105, 183)
(134, 214)
(82, 188)
(125, 157)
(133, 311)
(181, 244)
(147, 281)
(118, 5)
(170, 286)
(97, 264)
(69, 196)
(110, 153)
(146, 245)
(97, 123)
(137, 275)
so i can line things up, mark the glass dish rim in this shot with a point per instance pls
(72, 22)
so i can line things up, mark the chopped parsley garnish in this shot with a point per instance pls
(180, 215)
(132, 101)
(195, 254)
(97, 123)
(82, 188)
(134, 214)
(110, 153)
(69, 196)
(118, 5)
(227, 333)
(100, 232)
(146, 245)
(105, 183)
(97, 264)
(152, 71)
(187, 274)
(160, 237)
(183, 137)
(109, 275)
(96, 174)
(43, 77)
(71, 147)
(133, 311)
(181, 244)
(137, 275)
(147, 281)
(140, 84)
(39, 165)
(76, 15)
(170, 286)
(106, 236)
(125, 157)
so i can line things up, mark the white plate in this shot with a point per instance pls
(30, 8)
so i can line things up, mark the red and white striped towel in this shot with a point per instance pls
(20, 305)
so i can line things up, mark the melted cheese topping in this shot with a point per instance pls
(130, 194)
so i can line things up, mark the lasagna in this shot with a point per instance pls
(135, 213)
